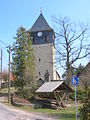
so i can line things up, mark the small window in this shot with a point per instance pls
(39, 73)
(39, 59)
(46, 39)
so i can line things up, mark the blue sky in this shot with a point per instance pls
(16, 13)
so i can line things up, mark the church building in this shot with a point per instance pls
(43, 38)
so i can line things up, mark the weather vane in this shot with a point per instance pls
(40, 9)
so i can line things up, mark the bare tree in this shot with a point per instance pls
(5, 76)
(71, 43)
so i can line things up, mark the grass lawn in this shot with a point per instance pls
(67, 114)
(5, 90)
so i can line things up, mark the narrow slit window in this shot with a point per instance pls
(39, 73)
(39, 59)
(46, 39)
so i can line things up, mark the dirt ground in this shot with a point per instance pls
(8, 113)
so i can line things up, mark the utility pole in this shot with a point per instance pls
(1, 71)
(9, 81)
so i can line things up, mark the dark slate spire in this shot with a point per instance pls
(40, 25)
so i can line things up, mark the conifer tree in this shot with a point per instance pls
(23, 59)
(30, 60)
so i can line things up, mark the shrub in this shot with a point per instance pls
(85, 109)
(80, 95)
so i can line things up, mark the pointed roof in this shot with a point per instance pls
(40, 25)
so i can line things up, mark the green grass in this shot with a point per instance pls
(5, 90)
(67, 114)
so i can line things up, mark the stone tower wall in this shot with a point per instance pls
(45, 60)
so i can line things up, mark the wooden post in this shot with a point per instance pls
(1, 71)
(9, 82)
(88, 116)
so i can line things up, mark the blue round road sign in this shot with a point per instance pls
(75, 80)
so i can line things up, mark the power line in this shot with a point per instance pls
(3, 43)
(3, 48)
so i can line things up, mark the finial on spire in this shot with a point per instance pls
(41, 10)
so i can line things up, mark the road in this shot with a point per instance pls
(8, 113)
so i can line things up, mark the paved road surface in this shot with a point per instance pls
(7, 113)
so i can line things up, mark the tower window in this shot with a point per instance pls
(39, 59)
(46, 39)
(39, 73)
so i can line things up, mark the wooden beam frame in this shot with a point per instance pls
(59, 98)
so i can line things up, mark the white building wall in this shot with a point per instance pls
(54, 63)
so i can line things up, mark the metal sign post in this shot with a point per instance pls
(75, 82)
(75, 104)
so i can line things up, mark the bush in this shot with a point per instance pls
(80, 95)
(85, 109)
(27, 93)
(24, 93)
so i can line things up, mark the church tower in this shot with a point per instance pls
(43, 37)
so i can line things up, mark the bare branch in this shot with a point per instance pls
(71, 42)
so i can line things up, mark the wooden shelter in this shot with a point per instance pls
(57, 88)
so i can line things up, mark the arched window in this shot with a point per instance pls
(46, 38)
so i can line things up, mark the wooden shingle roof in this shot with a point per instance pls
(51, 86)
